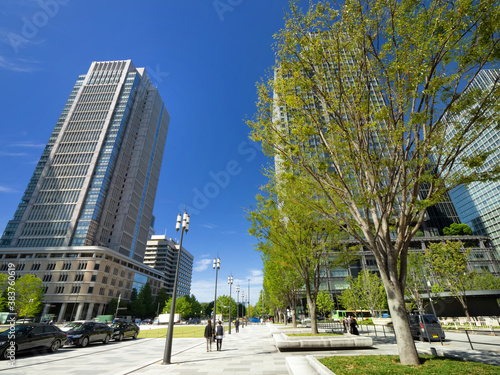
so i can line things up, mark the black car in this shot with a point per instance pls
(124, 329)
(30, 337)
(83, 333)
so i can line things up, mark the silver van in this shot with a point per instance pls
(426, 327)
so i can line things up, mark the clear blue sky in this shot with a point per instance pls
(205, 57)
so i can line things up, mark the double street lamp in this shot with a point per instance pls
(168, 345)
(230, 282)
(216, 268)
(237, 304)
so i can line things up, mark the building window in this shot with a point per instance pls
(5, 267)
(93, 278)
(91, 290)
(51, 266)
(35, 266)
(20, 267)
(60, 290)
(96, 266)
(79, 277)
(63, 277)
(47, 278)
(45, 289)
(82, 266)
(76, 289)
(104, 279)
(101, 291)
(67, 266)
(107, 268)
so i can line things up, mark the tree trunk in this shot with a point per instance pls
(406, 346)
(312, 312)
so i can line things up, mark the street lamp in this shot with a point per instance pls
(237, 304)
(230, 282)
(168, 344)
(243, 303)
(216, 268)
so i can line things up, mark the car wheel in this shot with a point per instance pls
(55, 346)
(120, 337)
(7, 354)
(84, 342)
(135, 335)
(106, 339)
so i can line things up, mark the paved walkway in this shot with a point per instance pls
(249, 352)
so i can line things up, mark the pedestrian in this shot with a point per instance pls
(354, 326)
(344, 323)
(237, 325)
(208, 335)
(349, 323)
(219, 335)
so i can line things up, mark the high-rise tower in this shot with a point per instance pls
(95, 183)
(478, 204)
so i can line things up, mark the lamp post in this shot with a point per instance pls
(230, 282)
(243, 303)
(237, 303)
(216, 268)
(168, 344)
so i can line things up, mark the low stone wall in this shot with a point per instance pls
(285, 342)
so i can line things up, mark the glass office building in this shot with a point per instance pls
(95, 183)
(478, 204)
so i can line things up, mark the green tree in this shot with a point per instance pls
(361, 99)
(325, 304)
(448, 263)
(145, 298)
(3, 292)
(483, 281)
(29, 295)
(457, 230)
(413, 282)
(293, 234)
(223, 306)
(161, 300)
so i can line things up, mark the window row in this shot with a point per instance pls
(99, 89)
(74, 158)
(76, 147)
(68, 196)
(45, 229)
(92, 106)
(62, 183)
(61, 171)
(40, 242)
(81, 136)
(96, 97)
(51, 212)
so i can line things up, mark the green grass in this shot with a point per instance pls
(380, 364)
(179, 331)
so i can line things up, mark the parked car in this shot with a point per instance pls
(30, 337)
(83, 333)
(425, 327)
(124, 329)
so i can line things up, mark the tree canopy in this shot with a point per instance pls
(362, 96)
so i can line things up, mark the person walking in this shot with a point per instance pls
(208, 335)
(219, 335)
(237, 325)
(354, 326)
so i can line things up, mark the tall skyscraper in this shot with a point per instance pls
(478, 204)
(95, 183)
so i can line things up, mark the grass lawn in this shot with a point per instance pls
(179, 331)
(382, 364)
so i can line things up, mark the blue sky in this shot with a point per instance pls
(204, 56)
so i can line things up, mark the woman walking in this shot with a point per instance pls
(219, 334)
(208, 335)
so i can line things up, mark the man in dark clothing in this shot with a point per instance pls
(237, 325)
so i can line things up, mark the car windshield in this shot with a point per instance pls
(19, 330)
(430, 319)
(81, 326)
(118, 325)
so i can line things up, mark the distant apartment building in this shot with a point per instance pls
(89, 203)
(162, 253)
